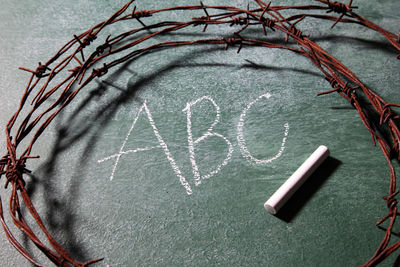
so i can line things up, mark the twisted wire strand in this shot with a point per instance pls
(42, 86)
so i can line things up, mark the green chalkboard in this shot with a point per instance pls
(232, 125)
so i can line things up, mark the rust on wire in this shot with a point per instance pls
(42, 85)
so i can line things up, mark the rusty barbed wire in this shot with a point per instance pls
(79, 73)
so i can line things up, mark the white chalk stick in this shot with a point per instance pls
(279, 198)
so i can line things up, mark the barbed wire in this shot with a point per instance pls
(52, 97)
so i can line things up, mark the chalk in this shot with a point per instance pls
(283, 194)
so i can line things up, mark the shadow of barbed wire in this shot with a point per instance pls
(72, 128)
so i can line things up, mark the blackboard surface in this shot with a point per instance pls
(108, 183)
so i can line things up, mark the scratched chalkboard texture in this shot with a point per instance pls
(108, 180)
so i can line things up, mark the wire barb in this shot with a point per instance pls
(387, 113)
(89, 38)
(39, 72)
(266, 22)
(140, 14)
(14, 174)
(391, 203)
(340, 8)
(239, 21)
(295, 32)
(348, 91)
(132, 43)
(101, 48)
(234, 41)
(206, 18)
(100, 71)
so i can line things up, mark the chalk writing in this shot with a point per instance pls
(162, 145)
(127, 152)
(242, 143)
(208, 133)
(192, 142)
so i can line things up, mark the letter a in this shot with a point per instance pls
(162, 145)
